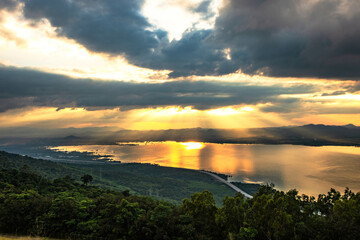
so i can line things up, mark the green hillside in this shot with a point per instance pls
(171, 184)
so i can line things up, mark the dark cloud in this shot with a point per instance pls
(335, 93)
(114, 27)
(23, 87)
(203, 7)
(288, 105)
(296, 38)
(8, 5)
(355, 88)
(193, 54)
(118, 28)
(293, 38)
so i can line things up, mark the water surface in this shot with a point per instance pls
(311, 170)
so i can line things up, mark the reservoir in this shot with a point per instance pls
(311, 170)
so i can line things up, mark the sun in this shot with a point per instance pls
(192, 145)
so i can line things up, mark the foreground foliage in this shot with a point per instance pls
(64, 208)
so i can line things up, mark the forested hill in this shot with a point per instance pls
(65, 209)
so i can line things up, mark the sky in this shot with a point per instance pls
(170, 64)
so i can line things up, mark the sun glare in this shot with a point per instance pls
(176, 17)
(192, 145)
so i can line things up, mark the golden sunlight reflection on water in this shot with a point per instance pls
(192, 145)
(311, 170)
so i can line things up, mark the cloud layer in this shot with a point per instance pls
(283, 38)
(23, 87)
(293, 38)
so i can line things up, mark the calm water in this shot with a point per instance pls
(311, 170)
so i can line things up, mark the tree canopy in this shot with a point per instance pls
(64, 208)
(87, 178)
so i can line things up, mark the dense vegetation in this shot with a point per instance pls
(42, 205)
(64, 208)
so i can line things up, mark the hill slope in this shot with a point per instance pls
(172, 184)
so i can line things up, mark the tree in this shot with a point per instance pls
(86, 179)
(231, 216)
(202, 208)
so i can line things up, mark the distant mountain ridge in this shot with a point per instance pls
(302, 135)
(311, 134)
